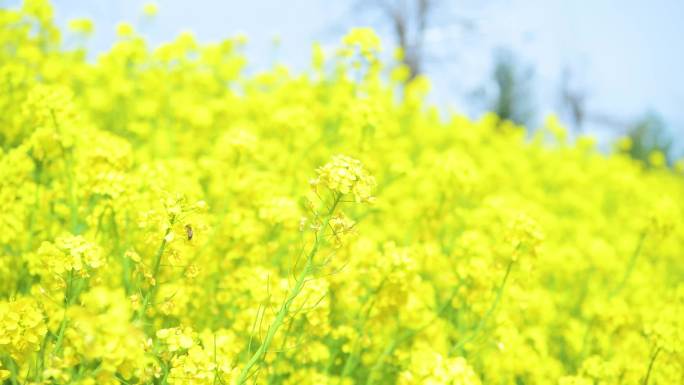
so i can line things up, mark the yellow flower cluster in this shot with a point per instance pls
(364, 39)
(158, 227)
(430, 368)
(70, 253)
(345, 175)
(21, 328)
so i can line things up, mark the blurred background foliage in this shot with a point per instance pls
(606, 68)
(510, 89)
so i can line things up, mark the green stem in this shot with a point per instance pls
(375, 370)
(630, 265)
(14, 372)
(362, 319)
(650, 366)
(68, 161)
(284, 311)
(281, 352)
(149, 297)
(489, 312)
(389, 349)
(67, 301)
(280, 317)
(40, 364)
(623, 282)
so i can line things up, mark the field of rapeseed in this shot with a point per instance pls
(167, 219)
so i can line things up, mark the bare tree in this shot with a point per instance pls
(513, 99)
(575, 100)
(417, 25)
(409, 20)
(647, 132)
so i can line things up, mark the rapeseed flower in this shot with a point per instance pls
(157, 226)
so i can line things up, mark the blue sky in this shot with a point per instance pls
(628, 55)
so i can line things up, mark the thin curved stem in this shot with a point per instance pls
(630, 265)
(650, 366)
(490, 311)
(284, 311)
(149, 297)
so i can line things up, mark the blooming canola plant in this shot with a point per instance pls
(167, 219)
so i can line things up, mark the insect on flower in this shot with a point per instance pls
(188, 231)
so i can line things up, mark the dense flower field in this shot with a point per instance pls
(167, 219)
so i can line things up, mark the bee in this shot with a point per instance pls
(188, 232)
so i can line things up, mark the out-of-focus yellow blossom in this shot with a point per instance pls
(524, 234)
(4, 374)
(364, 39)
(82, 26)
(176, 338)
(624, 143)
(679, 166)
(575, 380)
(657, 159)
(70, 253)
(428, 367)
(124, 29)
(22, 328)
(150, 9)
